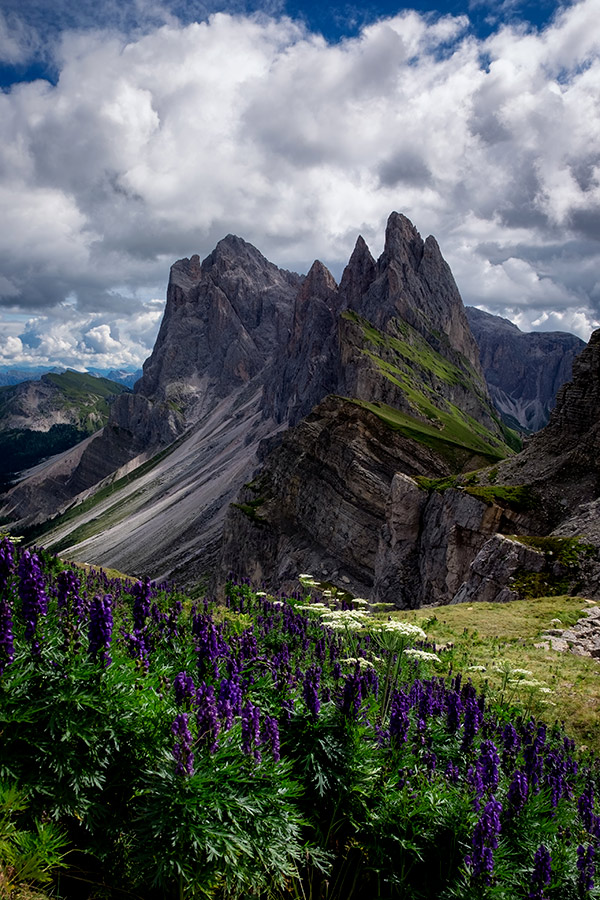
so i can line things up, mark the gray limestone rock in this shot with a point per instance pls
(524, 371)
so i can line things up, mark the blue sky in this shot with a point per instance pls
(135, 133)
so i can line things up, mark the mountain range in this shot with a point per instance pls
(286, 424)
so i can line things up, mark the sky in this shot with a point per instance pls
(137, 132)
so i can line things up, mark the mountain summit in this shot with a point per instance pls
(314, 406)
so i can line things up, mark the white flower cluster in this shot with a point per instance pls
(363, 663)
(421, 655)
(344, 619)
(476, 669)
(405, 629)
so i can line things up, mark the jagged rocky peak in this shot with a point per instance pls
(223, 322)
(317, 299)
(358, 275)
(413, 281)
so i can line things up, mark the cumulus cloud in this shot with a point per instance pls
(153, 146)
(69, 338)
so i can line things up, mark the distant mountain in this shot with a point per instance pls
(17, 374)
(127, 377)
(524, 371)
(48, 416)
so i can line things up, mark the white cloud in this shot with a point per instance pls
(153, 147)
(81, 341)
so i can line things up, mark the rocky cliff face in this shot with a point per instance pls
(223, 321)
(524, 372)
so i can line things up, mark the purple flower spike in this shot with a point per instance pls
(271, 736)
(182, 748)
(310, 690)
(251, 736)
(32, 591)
(184, 689)
(586, 869)
(7, 646)
(542, 873)
(484, 842)
(100, 630)
(207, 717)
(517, 792)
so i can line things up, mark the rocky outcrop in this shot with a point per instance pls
(524, 371)
(494, 568)
(582, 639)
(429, 540)
(338, 498)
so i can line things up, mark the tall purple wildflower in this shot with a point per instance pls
(454, 710)
(310, 690)
(399, 721)
(586, 869)
(488, 765)
(32, 592)
(184, 689)
(517, 792)
(542, 873)
(7, 645)
(182, 748)
(352, 695)
(207, 717)
(251, 736)
(100, 628)
(585, 806)
(484, 842)
(70, 606)
(472, 719)
(271, 736)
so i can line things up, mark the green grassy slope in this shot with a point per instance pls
(427, 381)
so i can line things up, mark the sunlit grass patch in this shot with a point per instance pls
(485, 635)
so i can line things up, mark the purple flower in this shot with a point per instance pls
(352, 695)
(182, 748)
(586, 869)
(142, 597)
(100, 628)
(517, 792)
(207, 717)
(472, 719)
(542, 873)
(484, 842)
(310, 690)
(184, 688)
(34, 602)
(251, 736)
(454, 710)
(7, 646)
(271, 736)
(452, 772)
(488, 765)
(585, 805)
(399, 721)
